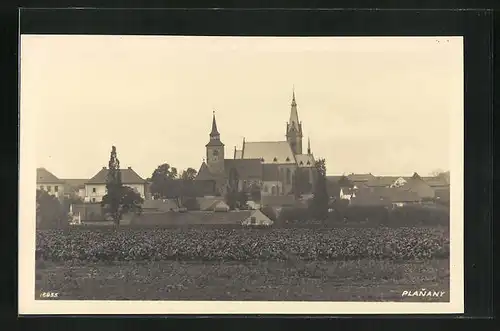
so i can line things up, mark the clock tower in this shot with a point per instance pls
(215, 150)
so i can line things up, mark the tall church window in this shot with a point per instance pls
(273, 190)
(288, 176)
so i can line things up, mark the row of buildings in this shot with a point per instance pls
(272, 166)
(367, 189)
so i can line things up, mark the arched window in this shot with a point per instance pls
(273, 190)
(288, 176)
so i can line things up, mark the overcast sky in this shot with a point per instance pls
(379, 105)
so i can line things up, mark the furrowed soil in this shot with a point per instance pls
(361, 280)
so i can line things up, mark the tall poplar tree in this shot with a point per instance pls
(119, 199)
(319, 204)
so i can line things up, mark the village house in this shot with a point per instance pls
(48, 182)
(95, 187)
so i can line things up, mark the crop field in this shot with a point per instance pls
(344, 264)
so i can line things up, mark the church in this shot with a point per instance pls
(271, 166)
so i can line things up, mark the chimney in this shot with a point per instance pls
(130, 168)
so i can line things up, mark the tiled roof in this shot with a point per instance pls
(75, 184)
(208, 204)
(246, 168)
(270, 172)
(360, 177)
(128, 176)
(269, 152)
(381, 181)
(204, 173)
(436, 181)
(305, 160)
(420, 187)
(383, 195)
(43, 176)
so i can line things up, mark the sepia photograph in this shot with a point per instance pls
(197, 174)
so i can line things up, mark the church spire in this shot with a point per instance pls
(309, 146)
(294, 116)
(294, 128)
(214, 126)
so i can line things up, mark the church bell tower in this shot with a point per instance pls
(294, 129)
(215, 150)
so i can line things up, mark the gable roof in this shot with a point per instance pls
(305, 160)
(75, 184)
(258, 217)
(208, 204)
(128, 175)
(382, 181)
(43, 176)
(360, 177)
(269, 151)
(204, 173)
(246, 168)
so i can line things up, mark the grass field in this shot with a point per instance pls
(363, 280)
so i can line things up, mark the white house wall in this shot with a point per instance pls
(100, 191)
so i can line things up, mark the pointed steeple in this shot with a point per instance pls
(294, 116)
(309, 146)
(214, 132)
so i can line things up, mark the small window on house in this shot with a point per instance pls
(49, 189)
(253, 220)
(93, 199)
(301, 163)
(287, 159)
(56, 188)
(275, 159)
(261, 159)
(308, 163)
(93, 190)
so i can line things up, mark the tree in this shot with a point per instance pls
(188, 174)
(300, 182)
(49, 211)
(161, 179)
(255, 190)
(119, 199)
(319, 204)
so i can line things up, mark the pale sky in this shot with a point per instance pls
(379, 105)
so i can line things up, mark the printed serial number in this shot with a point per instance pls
(49, 295)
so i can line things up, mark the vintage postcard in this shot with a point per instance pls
(219, 175)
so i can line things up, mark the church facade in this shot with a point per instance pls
(271, 166)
